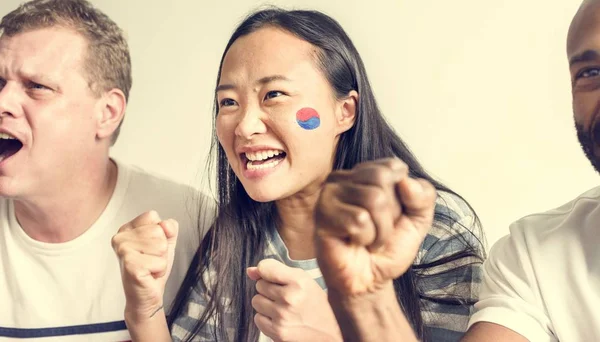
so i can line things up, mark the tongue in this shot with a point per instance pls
(9, 147)
(260, 162)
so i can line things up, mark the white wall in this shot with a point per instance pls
(479, 89)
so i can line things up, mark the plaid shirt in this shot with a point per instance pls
(459, 278)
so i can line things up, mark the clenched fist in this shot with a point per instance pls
(370, 223)
(146, 249)
(290, 305)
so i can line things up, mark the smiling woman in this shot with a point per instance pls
(293, 102)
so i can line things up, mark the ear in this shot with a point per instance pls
(111, 112)
(346, 115)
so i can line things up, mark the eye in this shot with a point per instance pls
(37, 86)
(273, 94)
(587, 73)
(226, 102)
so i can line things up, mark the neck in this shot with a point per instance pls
(70, 212)
(297, 226)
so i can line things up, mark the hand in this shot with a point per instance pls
(370, 223)
(146, 249)
(290, 305)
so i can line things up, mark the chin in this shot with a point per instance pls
(263, 195)
(8, 188)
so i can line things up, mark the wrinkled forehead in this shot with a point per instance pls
(42, 51)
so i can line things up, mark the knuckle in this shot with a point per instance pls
(163, 263)
(279, 315)
(261, 285)
(378, 198)
(123, 228)
(162, 246)
(281, 332)
(429, 190)
(257, 320)
(330, 192)
(360, 219)
(255, 301)
(290, 298)
(154, 231)
(380, 175)
(327, 192)
(300, 279)
(129, 265)
(397, 163)
(121, 250)
(151, 215)
(114, 241)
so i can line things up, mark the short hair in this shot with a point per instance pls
(107, 64)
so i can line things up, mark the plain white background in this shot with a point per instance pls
(479, 90)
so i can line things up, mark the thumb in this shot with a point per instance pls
(418, 198)
(276, 272)
(253, 273)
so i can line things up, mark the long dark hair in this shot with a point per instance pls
(237, 239)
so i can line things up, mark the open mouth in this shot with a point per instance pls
(9, 145)
(263, 159)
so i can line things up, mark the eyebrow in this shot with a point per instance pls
(262, 81)
(36, 77)
(585, 56)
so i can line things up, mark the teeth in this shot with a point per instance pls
(7, 136)
(268, 165)
(262, 155)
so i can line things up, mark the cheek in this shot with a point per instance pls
(222, 130)
(59, 124)
(308, 119)
(585, 107)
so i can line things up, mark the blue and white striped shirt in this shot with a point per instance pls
(453, 227)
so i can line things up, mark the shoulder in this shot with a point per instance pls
(151, 181)
(537, 238)
(560, 221)
(455, 228)
(150, 191)
(451, 209)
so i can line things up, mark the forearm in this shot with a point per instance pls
(371, 317)
(152, 329)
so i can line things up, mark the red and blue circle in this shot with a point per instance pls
(308, 118)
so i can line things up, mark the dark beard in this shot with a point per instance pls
(590, 141)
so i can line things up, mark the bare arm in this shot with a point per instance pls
(146, 249)
(371, 317)
(484, 331)
(370, 224)
(148, 329)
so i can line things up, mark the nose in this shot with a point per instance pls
(252, 122)
(9, 99)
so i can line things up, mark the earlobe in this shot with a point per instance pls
(112, 110)
(347, 112)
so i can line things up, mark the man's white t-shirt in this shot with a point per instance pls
(543, 280)
(73, 291)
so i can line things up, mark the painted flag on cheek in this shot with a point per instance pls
(308, 118)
